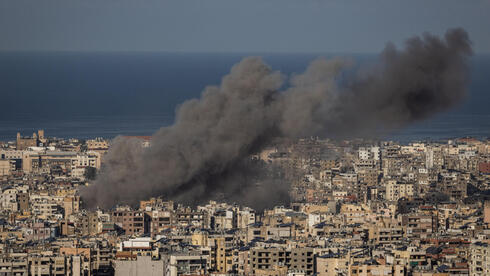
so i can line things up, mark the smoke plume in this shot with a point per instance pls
(208, 146)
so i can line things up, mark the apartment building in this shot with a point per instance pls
(132, 222)
(395, 190)
(294, 259)
(479, 259)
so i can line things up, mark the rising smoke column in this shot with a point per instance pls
(210, 135)
(429, 76)
(206, 147)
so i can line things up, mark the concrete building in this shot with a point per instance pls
(395, 190)
(364, 153)
(184, 264)
(14, 264)
(8, 199)
(47, 265)
(376, 269)
(420, 226)
(84, 160)
(141, 265)
(22, 201)
(332, 265)
(6, 166)
(294, 259)
(23, 143)
(132, 222)
(479, 259)
(486, 212)
(88, 224)
(171, 264)
(98, 145)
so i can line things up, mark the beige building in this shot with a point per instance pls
(331, 265)
(98, 145)
(23, 143)
(44, 160)
(48, 265)
(486, 212)
(8, 199)
(376, 269)
(295, 259)
(89, 159)
(14, 264)
(479, 259)
(395, 190)
(5, 167)
(172, 264)
(275, 270)
(71, 205)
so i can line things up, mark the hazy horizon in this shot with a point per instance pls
(237, 26)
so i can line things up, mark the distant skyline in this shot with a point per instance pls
(233, 26)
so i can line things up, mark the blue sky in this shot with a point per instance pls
(233, 26)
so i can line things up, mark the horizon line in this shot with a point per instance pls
(252, 52)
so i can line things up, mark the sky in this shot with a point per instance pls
(233, 26)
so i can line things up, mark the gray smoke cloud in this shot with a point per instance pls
(207, 149)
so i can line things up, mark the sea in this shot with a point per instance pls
(104, 94)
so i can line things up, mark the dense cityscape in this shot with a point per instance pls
(244, 138)
(356, 207)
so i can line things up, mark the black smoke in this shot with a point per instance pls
(205, 151)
